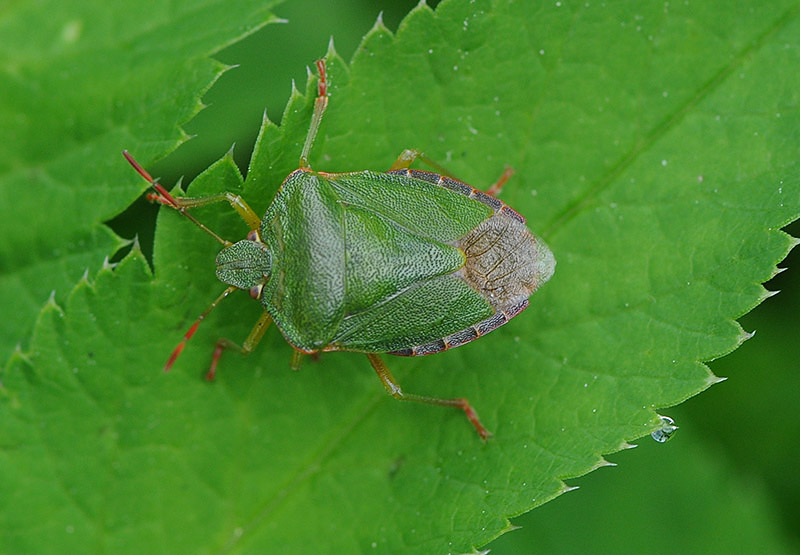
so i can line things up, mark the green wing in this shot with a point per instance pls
(425, 312)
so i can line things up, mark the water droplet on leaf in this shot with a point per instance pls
(667, 429)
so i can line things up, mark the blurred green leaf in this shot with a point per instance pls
(81, 82)
(655, 150)
(684, 498)
(753, 417)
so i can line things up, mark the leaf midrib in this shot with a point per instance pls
(571, 211)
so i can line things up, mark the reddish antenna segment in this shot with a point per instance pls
(163, 195)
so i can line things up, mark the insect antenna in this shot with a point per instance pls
(188, 335)
(162, 196)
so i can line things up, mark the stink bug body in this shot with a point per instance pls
(406, 262)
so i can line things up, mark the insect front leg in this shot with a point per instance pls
(391, 385)
(253, 338)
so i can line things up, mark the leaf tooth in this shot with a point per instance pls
(777, 270)
(84, 279)
(331, 53)
(510, 527)
(603, 462)
(566, 489)
(767, 294)
(745, 335)
(51, 305)
(265, 121)
(17, 355)
(107, 266)
(295, 92)
(378, 27)
(714, 379)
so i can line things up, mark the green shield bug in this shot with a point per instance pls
(405, 262)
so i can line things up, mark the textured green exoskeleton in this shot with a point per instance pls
(406, 262)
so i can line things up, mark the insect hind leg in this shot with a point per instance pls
(393, 388)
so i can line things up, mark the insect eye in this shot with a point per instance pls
(255, 291)
(253, 236)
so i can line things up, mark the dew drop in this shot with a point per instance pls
(667, 429)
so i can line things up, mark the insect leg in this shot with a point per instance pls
(494, 189)
(391, 385)
(319, 108)
(237, 203)
(297, 360)
(188, 335)
(249, 344)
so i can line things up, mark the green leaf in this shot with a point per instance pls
(81, 82)
(655, 151)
